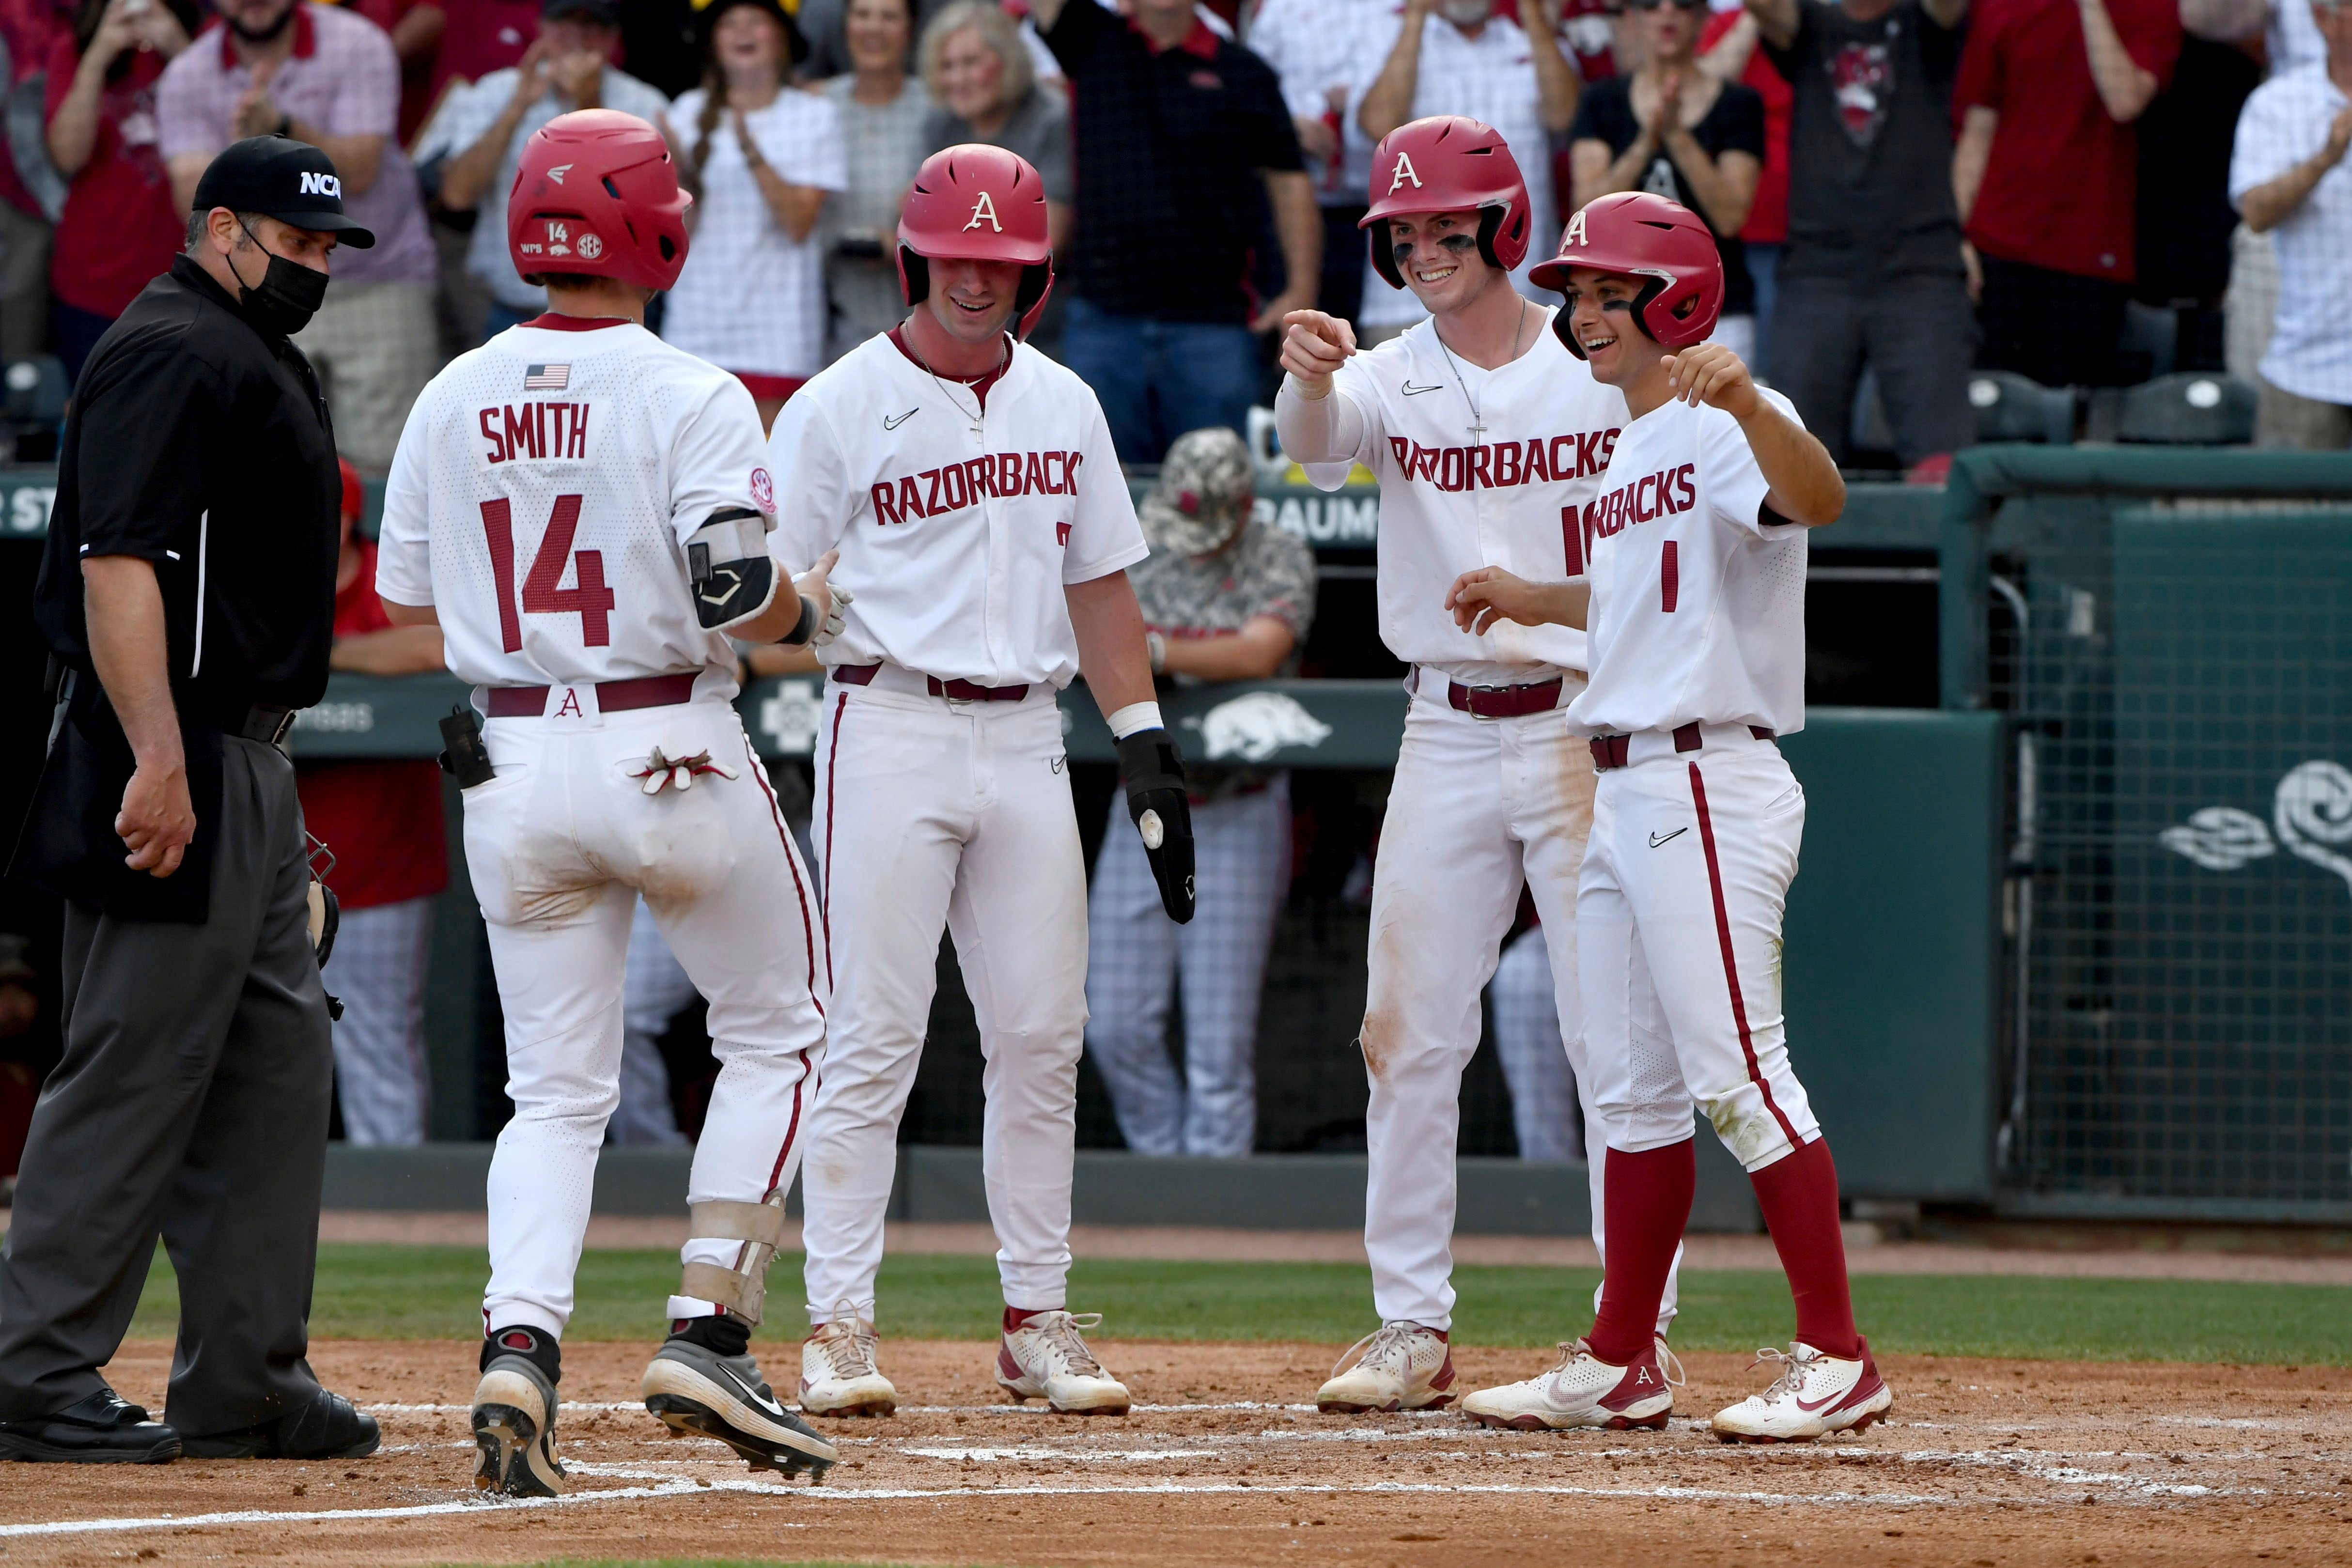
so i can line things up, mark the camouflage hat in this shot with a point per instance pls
(1204, 496)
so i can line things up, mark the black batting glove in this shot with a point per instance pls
(1153, 775)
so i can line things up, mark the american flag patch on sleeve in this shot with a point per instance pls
(546, 378)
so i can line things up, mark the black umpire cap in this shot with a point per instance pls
(281, 178)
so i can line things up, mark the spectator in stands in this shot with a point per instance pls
(415, 29)
(752, 298)
(1458, 57)
(119, 228)
(882, 110)
(33, 196)
(320, 74)
(475, 142)
(2045, 175)
(662, 43)
(1727, 51)
(2289, 178)
(1317, 50)
(1871, 276)
(2185, 221)
(382, 821)
(1533, 1056)
(1673, 129)
(1223, 598)
(478, 37)
(984, 87)
(1184, 144)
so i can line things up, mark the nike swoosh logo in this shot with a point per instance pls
(1810, 1405)
(753, 1396)
(1413, 391)
(1655, 841)
(890, 423)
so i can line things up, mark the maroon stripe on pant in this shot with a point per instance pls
(776, 814)
(824, 893)
(1730, 965)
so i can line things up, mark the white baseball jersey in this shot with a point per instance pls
(542, 497)
(1698, 603)
(959, 523)
(1454, 498)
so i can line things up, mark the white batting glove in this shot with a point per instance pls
(839, 598)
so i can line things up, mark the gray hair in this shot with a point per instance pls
(997, 30)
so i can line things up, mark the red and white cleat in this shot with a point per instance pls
(1814, 1395)
(1584, 1390)
(1046, 1358)
(838, 1376)
(1398, 1366)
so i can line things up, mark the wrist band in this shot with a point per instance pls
(1135, 719)
(805, 627)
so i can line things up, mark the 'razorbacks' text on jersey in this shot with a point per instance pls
(1509, 493)
(542, 497)
(958, 524)
(1699, 600)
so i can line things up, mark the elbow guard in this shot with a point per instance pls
(728, 564)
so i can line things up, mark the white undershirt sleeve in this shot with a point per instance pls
(1318, 430)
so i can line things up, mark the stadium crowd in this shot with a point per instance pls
(2084, 192)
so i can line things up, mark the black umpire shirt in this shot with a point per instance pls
(1170, 146)
(198, 442)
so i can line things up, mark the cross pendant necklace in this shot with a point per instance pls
(975, 416)
(1478, 426)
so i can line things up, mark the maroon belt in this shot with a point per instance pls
(954, 691)
(1609, 750)
(612, 696)
(1504, 702)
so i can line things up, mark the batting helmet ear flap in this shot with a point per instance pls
(1384, 253)
(1651, 288)
(1490, 224)
(1036, 282)
(914, 277)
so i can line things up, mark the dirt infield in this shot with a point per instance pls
(1981, 1463)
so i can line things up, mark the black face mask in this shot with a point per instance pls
(288, 296)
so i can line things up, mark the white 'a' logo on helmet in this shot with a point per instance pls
(984, 208)
(1403, 171)
(1575, 234)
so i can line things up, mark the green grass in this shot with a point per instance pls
(378, 1291)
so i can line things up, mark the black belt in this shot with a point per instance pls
(265, 724)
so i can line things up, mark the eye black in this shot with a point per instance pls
(1460, 244)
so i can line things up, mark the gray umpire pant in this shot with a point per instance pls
(191, 1103)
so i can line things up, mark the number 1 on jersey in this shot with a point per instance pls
(541, 592)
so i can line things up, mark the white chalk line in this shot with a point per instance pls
(395, 1410)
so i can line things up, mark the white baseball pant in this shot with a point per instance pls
(1478, 808)
(655, 989)
(929, 814)
(1241, 852)
(377, 972)
(560, 843)
(1678, 934)
(1544, 1111)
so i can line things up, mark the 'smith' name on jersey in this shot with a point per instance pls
(935, 491)
(535, 430)
(1506, 463)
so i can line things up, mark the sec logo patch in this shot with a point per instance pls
(590, 247)
(763, 490)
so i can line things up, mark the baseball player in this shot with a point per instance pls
(970, 484)
(585, 512)
(1488, 439)
(1223, 598)
(1696, 604)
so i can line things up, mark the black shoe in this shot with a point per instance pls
(103, 1429)
(327, 1427)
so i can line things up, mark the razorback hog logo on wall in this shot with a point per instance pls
(937, 491)
(1504, 464)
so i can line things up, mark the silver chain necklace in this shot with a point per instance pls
(1478, 420)
(978, 414)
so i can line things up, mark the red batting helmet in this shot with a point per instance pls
(976, 202)
(1444, 164)
(596, 193)
(1662, 242)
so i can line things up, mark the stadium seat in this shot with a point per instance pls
(2193, 408)
(2012, 407)
(34, 390)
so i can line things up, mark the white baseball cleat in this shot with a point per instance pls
(514, 1430)
(1584, 1390)
(1814, 1395)
(838, 1376)
(1045, 1358)
(1398, 1366)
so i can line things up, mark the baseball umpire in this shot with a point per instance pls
(188, 597)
